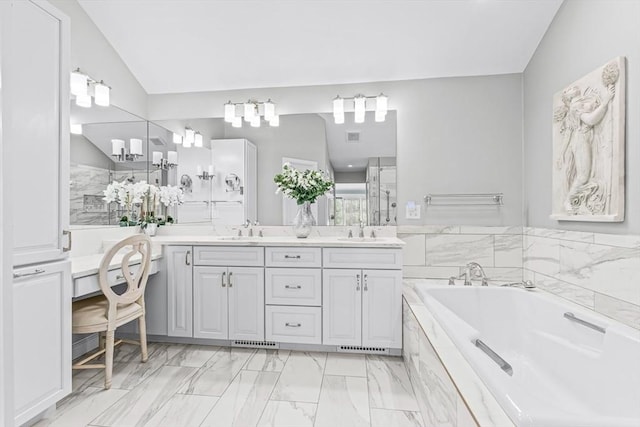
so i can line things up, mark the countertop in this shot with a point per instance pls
(329, 242)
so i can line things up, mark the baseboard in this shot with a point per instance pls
(84, 346)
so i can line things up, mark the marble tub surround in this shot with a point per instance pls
(597, 271)
(433, 251)
(448, 390)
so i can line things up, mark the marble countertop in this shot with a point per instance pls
(330, 241)
(90, 264)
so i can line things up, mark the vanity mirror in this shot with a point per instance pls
(234, 168)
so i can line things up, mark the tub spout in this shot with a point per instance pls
(527, 284)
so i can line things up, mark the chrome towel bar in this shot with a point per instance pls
(494, 356)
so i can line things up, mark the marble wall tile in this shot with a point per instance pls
(343, 401)
(456, 250)
(243, 402)
(216, 375)
(508, 250)
(474, 229)
(410, 341)
(413, 253)
(431, 272)
(463, 416)
(577, 236)
(141, 404)
(500, 275)
(288, 414)
(389, 384)
(622, 311)
(301, 378)
(609, 270)
(390, 418)
(345, 364)
(621, 240)
(82, 408)
(577, 294)
(268, 360)
(429, 229)
(183, 411)
(542, 255)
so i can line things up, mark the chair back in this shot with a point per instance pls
(136, 283)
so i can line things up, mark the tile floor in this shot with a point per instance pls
(190, 385)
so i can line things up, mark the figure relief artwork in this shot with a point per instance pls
(588, 146)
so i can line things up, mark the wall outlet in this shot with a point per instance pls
(412, 210)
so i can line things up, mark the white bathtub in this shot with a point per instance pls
(563, 373)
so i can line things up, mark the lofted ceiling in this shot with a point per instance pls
(176, 46)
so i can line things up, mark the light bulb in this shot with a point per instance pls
(189, 136)
(76, 129)
(79, 84)
(101, 94)
(359, 108)
(249, 111)
(237, 122)
(177, 139)
(381, 104)
(255, 121)
(269, 110)
(197, 140)
(338, 106)
(229, 112)
(83, 101)
(275, 121)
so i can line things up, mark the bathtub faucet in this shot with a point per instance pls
(473, 270)
(527, 284)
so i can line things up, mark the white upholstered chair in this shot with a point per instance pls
(104, 313)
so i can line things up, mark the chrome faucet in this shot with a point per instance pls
(361, 232)
(350, 235)
(471, 271)
(373, 233)
(526, 284)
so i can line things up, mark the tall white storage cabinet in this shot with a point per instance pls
(234, 193)
(35, 127)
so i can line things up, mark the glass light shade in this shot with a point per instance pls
(249, 111)
(177, 139)
(76, 129)
(83, 101)
(229, 112)
(359, 108)
(197, 142)
(380, 116)
(210, 169)
(117, 145)
(189, 136)
(157, 157)
(275, 121)
(269, 110)
(135, 146)
(237, 122)
(198, 170)
(338, 118)
(381, 104)
(79, 84)
(172, 157)
(186, 143)
(101, 94)
(255, 121)
(338, 106)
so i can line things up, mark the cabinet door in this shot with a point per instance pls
(382, 308)
(38, 132)
(210, 314)
(246, 303)
(180, 291)
(341, 307)
(41, 337)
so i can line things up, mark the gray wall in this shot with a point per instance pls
(456, 135)
(583, 36)
(83, 152)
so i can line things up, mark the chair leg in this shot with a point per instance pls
(108, 370)
(142, 325)
(101, 340)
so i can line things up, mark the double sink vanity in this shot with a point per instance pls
(330, 293)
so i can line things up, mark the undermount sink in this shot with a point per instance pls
(357, 239)
(237, 238)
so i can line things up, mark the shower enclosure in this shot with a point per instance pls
(381, 191)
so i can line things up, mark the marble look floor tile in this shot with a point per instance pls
(301, 378)
(183, 411)
(216, 375)
(80, 410)
(344, 401)
(142, 403)
(128, 375)
(268, 360)
(288, 414)
(389, 385)
(193, 356)
(243, 402)
(353, 365)
(391, 418)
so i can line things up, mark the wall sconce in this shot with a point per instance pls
(119, 151)
(81, 85)
(162, 163)
(360, 108)
(191, 138)
(251, 113)
(205, 175)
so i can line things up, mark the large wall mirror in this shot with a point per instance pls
(227, 172)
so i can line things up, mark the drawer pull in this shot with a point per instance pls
(33, 273)
(293, 325)
(357, 282)
(292, 287)
(67, 233)
(229, 281)
(186, 258)
(120, 276)
(292, 257)
(224, 274)
(365, 283)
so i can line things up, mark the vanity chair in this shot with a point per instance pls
(104, 313)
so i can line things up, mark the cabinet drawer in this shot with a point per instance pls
(294, 257)
(293, 286)
(362, 258)
(87, 285)
(301, 325)
(228, 256)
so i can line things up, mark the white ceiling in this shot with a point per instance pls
(204, 45)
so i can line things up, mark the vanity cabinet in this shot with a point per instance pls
(179, 291)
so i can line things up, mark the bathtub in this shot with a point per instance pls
(544, 369)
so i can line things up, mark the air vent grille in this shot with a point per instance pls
(156, 140)
(253, 344)
(353, 137)
(358, 349)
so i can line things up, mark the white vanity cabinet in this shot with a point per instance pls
(362, 307)
(179, 291)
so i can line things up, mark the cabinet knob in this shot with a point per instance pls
(224, 274)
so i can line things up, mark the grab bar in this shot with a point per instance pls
(573, 318)
(495, 357)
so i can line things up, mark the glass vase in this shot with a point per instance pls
(304, 221)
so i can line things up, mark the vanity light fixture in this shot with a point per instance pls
(189, 137)
(360, 108)
(119, 151)
(162, 163)
(82, 86)
(250, 112)
(205, 175)
(177, 139)
(75, 128)
(197, 140)
(79, 83)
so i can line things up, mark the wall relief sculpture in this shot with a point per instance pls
(588, 146)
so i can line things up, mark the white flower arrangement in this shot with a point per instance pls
(304, 186)
(147, 196)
